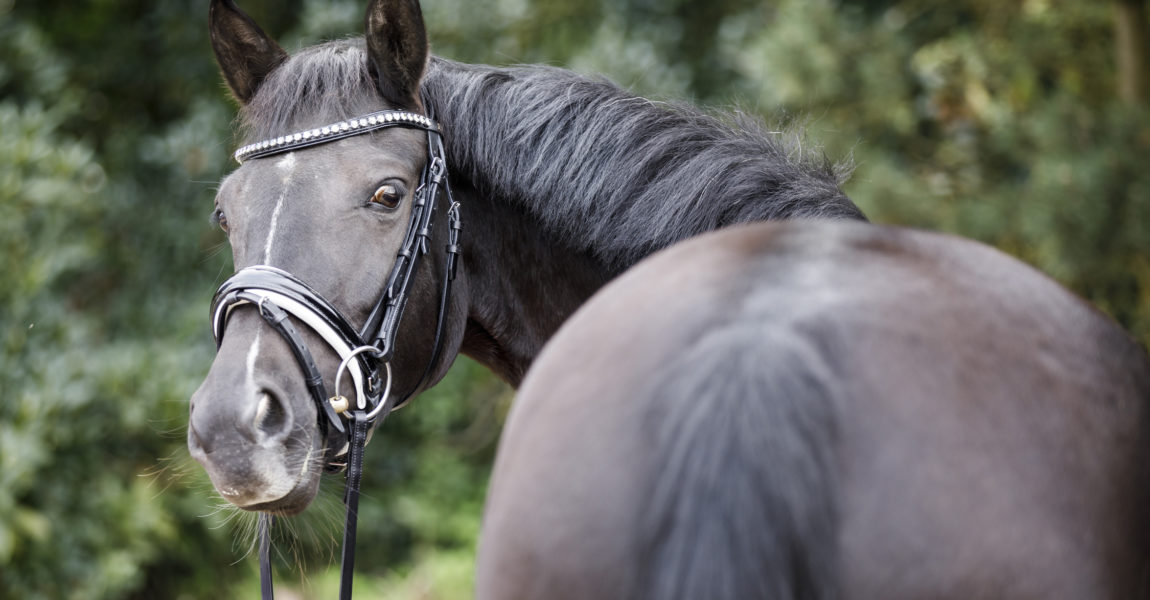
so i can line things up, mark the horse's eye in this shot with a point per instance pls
(220, 219)
(388, 195)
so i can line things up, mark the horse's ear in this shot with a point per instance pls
(244, 52)
(397, 50)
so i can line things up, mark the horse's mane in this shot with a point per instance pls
(607, 172)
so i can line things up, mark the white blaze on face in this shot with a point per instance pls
(268, 456)
(269, 461)
(286, 166)
(250, 387)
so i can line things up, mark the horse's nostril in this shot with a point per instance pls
(272, 417)
(196, 443)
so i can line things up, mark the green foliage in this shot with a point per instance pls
(988, 119)
(995, 121)
(90, 406)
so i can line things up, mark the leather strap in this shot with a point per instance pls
(452, 261)
(278, 319)
(383, 320)
(359, 426)
(336, 131)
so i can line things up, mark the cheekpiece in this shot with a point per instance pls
(335, 131)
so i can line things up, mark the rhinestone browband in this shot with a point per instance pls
(335, 131)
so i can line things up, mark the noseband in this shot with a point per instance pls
(366, 352)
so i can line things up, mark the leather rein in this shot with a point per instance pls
(365, 353)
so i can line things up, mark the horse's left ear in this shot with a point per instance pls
(397, 50)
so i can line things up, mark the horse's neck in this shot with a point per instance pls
(521, 283)
(521, 286)
(579, 180)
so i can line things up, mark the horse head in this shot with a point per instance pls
(326, 210)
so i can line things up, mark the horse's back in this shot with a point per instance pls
(826, 410)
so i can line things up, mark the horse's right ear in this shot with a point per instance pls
(397, 50)
(244, 52)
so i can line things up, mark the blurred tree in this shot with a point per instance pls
(1130, 38)
(997, 121)
(91, 393)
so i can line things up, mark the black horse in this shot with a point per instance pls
(826, 410)
(563, 182)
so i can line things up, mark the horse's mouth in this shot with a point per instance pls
(293, 504)
(301, 487)
(306, 484)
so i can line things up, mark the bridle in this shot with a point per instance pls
(365, 353)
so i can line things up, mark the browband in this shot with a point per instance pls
(335, 131)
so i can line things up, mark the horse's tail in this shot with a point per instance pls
(746, 504)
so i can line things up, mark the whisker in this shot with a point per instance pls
(213, 252)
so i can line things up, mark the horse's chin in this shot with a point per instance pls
(265, 479)
(291, 504)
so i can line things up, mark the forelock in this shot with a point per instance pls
(318, 85)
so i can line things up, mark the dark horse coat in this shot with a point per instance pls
(818, 410)
(793, 411)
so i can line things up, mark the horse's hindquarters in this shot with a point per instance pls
(826, 410)
(989, 473)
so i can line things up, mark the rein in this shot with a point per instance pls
(365, 353)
